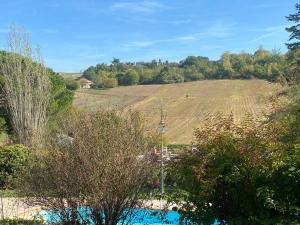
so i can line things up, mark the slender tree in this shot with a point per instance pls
(26, 87)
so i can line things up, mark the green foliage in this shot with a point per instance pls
(2, 124)
(169, 75)
(72, 84)
(263, 64)
(20, 222)
(246, 174)
(294, 30)
(292, 75)
(13, 160)
(6, 193)
(61, 98)
(130, 77)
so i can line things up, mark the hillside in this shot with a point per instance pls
(70, 75)
(186, 105)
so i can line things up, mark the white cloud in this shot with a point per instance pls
(186, 38)
(139, 44)
(215, 30)
(138, 7)
(144, 44)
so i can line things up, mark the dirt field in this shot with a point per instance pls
(186, 105)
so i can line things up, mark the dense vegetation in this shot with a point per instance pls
(60, 98)
(263, 64)
(247, 174)
(13, 159)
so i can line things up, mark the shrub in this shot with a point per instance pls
(72, 84)
(242, 174)
(12, 161)
(97, 163)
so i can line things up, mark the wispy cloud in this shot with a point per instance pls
(216, 30)
(140, 44)
(134, 45)
(275, 28)
(269, 32)
(138, 6)
(186, 38)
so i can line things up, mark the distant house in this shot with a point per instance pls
(85, 83)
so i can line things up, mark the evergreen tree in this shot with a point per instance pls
(295, 29)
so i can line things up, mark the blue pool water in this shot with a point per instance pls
(142, 217)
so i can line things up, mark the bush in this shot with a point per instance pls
(20, 222)
(12, 161)
(97, 163)
(242, 174)
(72, 84)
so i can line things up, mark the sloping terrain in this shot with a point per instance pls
(186, 105)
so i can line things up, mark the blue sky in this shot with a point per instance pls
(75, 34)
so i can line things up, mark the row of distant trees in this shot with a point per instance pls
(263, 64)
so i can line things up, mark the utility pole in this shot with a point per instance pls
(161, 131)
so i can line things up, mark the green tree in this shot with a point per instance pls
(110, 82)
(191, 73)
(130, 77)
(295, 29)
(226, 66)
(169, 75)
(146, 76)
(61, 98)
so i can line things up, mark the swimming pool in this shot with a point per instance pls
(141, 217)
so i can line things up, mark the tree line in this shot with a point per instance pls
(263, 64)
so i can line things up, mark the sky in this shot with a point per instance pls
(75, 34)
